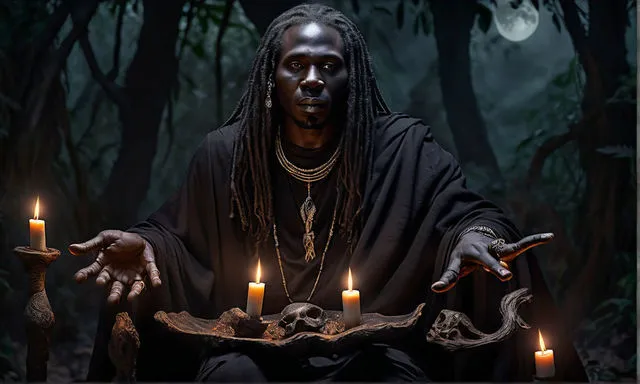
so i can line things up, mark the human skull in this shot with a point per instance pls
(300, 317)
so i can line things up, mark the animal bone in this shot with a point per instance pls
(448, 328)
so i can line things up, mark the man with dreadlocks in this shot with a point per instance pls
(313, 175)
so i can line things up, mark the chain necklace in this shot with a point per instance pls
(324, 253)
(308, 208)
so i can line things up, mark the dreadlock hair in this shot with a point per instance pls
(251, 191)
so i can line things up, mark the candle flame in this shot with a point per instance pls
(350, 280)
(258, 272)
(542, 346)
(36, 210)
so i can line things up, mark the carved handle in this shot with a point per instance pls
(123, 348)
(451, 328)
(39, 317)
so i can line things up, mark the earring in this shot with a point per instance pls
(267, 101)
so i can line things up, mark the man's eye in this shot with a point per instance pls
(329, 66)
(295, 66)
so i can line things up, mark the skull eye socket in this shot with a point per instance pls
(290, 318)
(314, 312)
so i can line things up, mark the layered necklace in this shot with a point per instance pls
(308, 208)
(307, 211)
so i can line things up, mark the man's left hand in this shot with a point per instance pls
(477, 250)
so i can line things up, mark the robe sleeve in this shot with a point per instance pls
(179, 233)
(478, 295)
(428, 214)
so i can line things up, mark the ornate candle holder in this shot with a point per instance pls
(38, 313)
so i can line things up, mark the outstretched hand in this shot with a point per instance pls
(477, 250)
(124, 259)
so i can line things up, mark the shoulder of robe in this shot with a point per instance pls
(397, 126)
(219, 142)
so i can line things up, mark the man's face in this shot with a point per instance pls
(311, 76)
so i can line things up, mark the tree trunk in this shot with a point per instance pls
(148, 84)
(603, 227)
(452, 22)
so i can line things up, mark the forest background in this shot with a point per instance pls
(102, 104)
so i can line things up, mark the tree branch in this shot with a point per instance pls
(187, 28)
(545, 150)
(112, 90)
(575, 28)
(43, 42)
(170, 129)
(115, 69)
(57, 59)
(224, 24)
(556, 142)
(9, 102)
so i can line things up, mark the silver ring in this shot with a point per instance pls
(495, 247)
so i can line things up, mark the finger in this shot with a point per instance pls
(493, 266)
(98, 242)
(449, 277)
(466, 270)
(504, 265)
(104, 276)
(136, 289)
(116, 292)
(151, 267)
(91, 270)
(128, 277)
(154, 275)
(508, 252)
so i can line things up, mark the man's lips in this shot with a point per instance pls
(308, 101)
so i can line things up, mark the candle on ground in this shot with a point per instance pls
(351, 305)
(545, 366)
(255, 296)
(37, 238)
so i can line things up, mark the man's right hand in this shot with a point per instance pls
(124, 259)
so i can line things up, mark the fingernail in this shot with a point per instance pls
(504, 273)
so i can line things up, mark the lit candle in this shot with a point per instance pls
(255, 296)
(545, 366)
(37, 238)
(351, 305)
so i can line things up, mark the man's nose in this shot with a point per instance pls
(313, 81)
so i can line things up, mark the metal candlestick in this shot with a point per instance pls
(38, 313)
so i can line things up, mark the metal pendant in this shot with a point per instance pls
(308, 213)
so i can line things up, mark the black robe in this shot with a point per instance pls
(415, 206)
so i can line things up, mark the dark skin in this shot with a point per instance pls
(311, 85)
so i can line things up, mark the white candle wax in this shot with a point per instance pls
(37, 234)
(545, 365)
(255, 296)
(351, 305)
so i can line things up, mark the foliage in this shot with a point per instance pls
(606, 335)
(401, 10)
(612, 324)
(208, 15)
(550, 118)
(9, 367)
(20, 21)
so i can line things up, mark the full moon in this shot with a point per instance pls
(516, 24)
